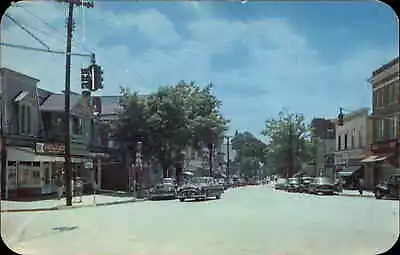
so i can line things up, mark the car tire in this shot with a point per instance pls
(181, 199)
(378, 194)
(218, 196)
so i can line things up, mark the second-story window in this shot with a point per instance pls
(393, 129)
(381, 129)
(339, 143)
(22, 119)
(353, 134)
(76, 125)
(345, 141)
(28, 120)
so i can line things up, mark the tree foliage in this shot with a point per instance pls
(169, 120)
(288, 147)
(250, 152)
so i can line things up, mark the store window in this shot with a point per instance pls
(36, 173)
(12, 174)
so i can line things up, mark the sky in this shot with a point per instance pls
(308, 57)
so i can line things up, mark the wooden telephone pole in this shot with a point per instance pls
(67, 92)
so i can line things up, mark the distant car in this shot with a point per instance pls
(293, 185)
(163, 191)
(390, 188)
(200, 188)
(322, 185)
(305, 182)
(281, 184)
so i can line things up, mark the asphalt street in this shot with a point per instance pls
(249, 220)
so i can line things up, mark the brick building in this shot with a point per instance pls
(384, 158)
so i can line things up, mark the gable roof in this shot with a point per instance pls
(55, 102)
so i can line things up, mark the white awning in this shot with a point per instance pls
(26, 154)
(372, 159)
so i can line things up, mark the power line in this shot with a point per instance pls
(42, 50)
(27, 31)
(53, 28)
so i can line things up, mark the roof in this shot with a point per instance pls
(109, 105)
(4, 69)
(386, 66)
(55, 102)
(43, 95)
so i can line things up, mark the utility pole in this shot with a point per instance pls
(210, 156)
(67, 91)
(3, 151)
(290, 167)
(227, 154)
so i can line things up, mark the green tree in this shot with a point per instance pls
(288, 147)
(250, 152)
(171, 119)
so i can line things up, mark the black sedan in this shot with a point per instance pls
(305, 183)
(390, 188)
(163, 191)
(322, 185)
(293, 185)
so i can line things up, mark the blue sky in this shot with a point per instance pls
(308, 57)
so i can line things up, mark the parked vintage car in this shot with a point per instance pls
(322, 185)
(162, 191)
(200, 188)
(281, 184)
(390, 188)
(293, 185)
(305, 182)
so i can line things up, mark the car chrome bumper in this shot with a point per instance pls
(191, 195)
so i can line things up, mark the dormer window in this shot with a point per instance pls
(23, 113)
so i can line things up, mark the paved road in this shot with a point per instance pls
(250, 220)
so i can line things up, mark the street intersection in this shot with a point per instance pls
(248, 220)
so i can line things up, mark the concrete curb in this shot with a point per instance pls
(356, 195)
(64, 207)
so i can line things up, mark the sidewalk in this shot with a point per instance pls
(355, 193)
(55, 204)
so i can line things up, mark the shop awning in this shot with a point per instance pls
(348, 171)
(26, 154)
(375, 158)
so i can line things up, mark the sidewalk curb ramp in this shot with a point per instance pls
(64, 207)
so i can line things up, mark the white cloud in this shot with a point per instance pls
(281, 66)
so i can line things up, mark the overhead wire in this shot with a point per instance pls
(42, 50)
(27, 31)
(60, 33)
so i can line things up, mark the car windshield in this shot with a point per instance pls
(153, 103)
(200, 180)
(322, 180)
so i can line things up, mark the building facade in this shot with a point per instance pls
(323, 137)
(32, 128)
(353, 141)
(384, 158)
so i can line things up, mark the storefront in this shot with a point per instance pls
(381, 162)
(33, 171)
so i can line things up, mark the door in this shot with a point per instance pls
(46, 182)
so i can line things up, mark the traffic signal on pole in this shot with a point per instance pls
(340, 117)
(86, 81)
(97, 74)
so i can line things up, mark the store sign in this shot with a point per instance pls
(49, 148)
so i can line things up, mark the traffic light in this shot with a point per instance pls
(86, 81)
(340, 117)
(97, 75)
